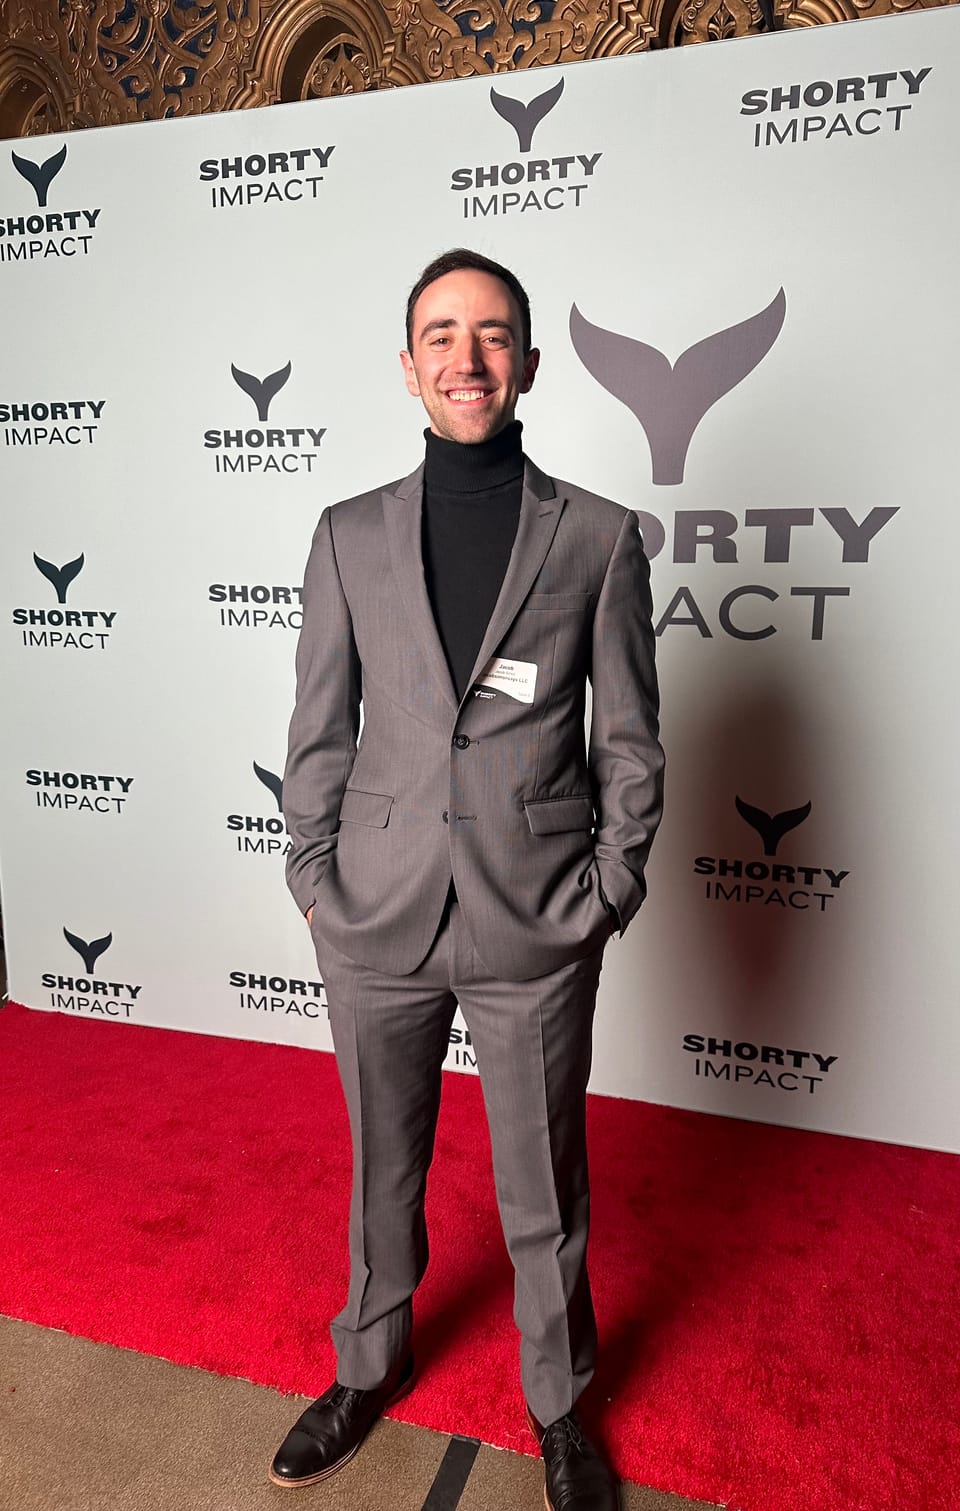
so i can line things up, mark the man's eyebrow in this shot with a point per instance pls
(449, 321)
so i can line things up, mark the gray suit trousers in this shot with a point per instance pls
(532, 1040)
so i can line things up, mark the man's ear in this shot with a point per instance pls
(530, 364)
(410, 374)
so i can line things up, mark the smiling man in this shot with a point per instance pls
(469, 356)
(472, 849)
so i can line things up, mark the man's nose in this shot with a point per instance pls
(469, 355)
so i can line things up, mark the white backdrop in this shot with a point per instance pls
(797, 959)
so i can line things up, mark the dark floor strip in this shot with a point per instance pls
(454, 1471)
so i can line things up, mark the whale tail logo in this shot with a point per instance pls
(61, 577)
(525, 118)
(272, 782)
(261, 391)
(771, 827)
(670, 401)
(89, 953)
(40, 175)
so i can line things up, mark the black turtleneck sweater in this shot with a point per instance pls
(471, 508)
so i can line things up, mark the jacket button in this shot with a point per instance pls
(461, 741)
(445, 816)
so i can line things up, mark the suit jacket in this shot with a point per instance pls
(543, 834)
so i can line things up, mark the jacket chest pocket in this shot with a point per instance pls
(560, 602)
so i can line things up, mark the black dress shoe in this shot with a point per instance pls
(577, 1479)
(330, 1431)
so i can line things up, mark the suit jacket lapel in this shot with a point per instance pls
(402, 513)
(540, 511)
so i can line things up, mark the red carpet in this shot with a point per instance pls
(779, 1311)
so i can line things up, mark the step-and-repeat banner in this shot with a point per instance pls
(742, 265)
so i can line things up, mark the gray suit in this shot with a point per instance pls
(545, 841)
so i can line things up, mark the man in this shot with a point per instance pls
(470, 848)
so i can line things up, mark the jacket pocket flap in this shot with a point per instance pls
(557, 815)
(371, 808)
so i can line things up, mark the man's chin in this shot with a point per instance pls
(471, 430)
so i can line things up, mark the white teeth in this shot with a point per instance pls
(462, 394)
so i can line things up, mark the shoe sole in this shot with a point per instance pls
(325, 1474)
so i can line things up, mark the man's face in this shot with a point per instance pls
(467, 363)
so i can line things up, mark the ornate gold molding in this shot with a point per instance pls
(70, 63)
(792, 13)
(713, 20)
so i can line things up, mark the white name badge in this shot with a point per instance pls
(516, 678)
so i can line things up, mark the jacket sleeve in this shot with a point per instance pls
(625, 755)
(323, 730)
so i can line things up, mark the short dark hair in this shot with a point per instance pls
(454, 261)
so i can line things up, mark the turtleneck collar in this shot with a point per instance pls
(455, 468)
